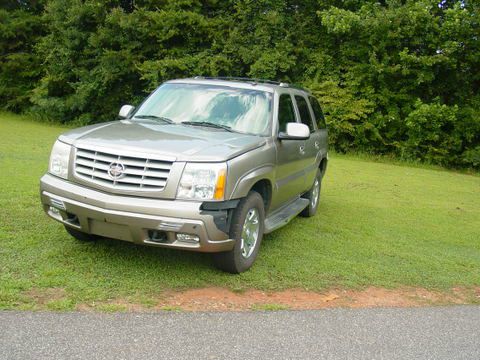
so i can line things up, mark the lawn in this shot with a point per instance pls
(378, 224)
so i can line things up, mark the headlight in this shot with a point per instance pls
(59, 159)
(203, 181)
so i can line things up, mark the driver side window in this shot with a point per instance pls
(286, 112)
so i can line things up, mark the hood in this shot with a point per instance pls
(182, 142)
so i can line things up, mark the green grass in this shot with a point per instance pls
(269, 307)
(378, 224)
(171, 308)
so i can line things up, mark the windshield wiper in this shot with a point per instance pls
(155, 117)
(208, 124)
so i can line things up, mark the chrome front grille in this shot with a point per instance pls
(121, 172)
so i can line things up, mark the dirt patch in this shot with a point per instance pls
(43, 296)
(404, 297)
(221, 299)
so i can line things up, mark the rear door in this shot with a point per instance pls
(309, 159)
(321, 134)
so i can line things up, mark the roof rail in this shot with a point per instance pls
(254, 81)
(246, 79)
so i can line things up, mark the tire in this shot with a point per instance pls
(313, 196)
(242, 256)
(80, 235)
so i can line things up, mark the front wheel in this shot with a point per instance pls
(247, 229)
(313, 195)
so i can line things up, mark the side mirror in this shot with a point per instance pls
(295, 131)
(125, 110)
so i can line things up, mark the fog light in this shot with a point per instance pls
(54, 210)
(157, 236)
(192, 239)
(57, 204)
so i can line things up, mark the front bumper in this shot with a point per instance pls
(138, 220)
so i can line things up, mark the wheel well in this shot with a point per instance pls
(323, 165)
(264, 188)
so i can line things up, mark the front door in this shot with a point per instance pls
(290, 175)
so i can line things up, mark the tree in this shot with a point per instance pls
(395, 77)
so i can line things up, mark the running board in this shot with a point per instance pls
(285, 214)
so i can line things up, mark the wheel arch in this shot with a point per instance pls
(260, 179)
(323, 165)
(264, 188)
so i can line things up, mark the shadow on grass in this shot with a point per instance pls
(126, 267)
(122, 252)
(126, 254)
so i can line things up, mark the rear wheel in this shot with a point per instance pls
(247, 229)
(313, 195)
(80, 235)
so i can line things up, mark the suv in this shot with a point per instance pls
(203, 164)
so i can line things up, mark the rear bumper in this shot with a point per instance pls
(138, 220)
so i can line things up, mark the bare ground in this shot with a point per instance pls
(221, 299)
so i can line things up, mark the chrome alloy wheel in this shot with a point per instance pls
(315, 193)
(251, 229)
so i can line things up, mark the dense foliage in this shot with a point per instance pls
(395, 77)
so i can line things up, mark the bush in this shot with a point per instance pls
(432, 133)
(394, 77)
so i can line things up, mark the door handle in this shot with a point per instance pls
(302, 149)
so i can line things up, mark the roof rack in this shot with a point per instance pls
(236, 78)
(254, 81)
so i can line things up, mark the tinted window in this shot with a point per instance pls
(317, 110)
(305, 115)
(286, 113)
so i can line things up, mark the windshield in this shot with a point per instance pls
(241, 110)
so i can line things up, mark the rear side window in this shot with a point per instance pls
(286, 113)
(305, 114)
(317, 110)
